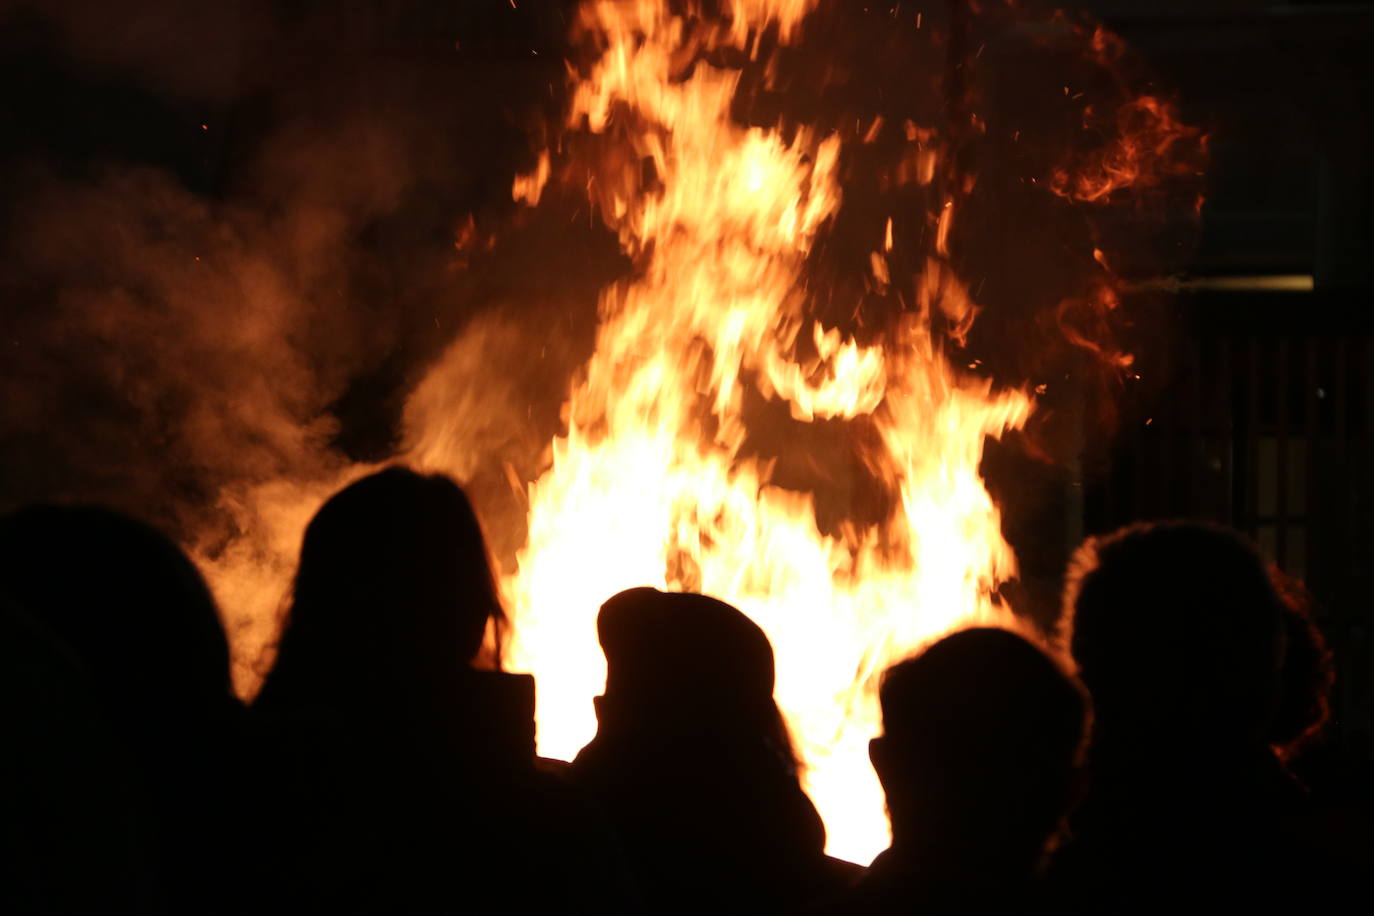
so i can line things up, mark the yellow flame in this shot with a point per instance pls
(528, 188)
(649, 485)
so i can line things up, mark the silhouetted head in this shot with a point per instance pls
(692, 759)
(983, 734)
(392, 598)
(129, 603)
(685, 666)
(1177, 630)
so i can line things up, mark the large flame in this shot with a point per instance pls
(651, 484)
(665, 476)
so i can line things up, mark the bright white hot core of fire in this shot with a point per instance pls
(648, 486)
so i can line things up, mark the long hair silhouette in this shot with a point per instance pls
(394, 597)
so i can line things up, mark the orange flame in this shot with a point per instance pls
(652, 483)
(1141, 152)
(650, 486)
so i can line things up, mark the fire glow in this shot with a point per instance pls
(656, 425)
(713, 373)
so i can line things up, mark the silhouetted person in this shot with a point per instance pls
(982, 744)
(1179, 633)
(693, 762)
(71, 835)
(408, 779)
(143, 632)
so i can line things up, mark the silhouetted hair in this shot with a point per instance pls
(982, 735)
(686, 662)
(126, 599)
(1177, 631)
(394, 593)
(1307, 675)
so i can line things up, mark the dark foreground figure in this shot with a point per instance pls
(693, 763)
(1181, 633)
(71, 832)
(388, 765)
(403, 779)
(124, 778)
(980, 754)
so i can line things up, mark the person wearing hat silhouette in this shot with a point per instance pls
(693, 763)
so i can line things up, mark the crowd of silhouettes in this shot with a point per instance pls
(1137, 758)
